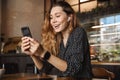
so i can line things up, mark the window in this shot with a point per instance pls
(83, 0)
(105, 38)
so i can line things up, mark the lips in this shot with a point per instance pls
(56, 26)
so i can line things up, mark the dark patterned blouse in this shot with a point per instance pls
(77, 55)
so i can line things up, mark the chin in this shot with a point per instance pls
(57, 31)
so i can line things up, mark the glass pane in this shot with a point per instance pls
(107, 20)
(75, 8)
(72, 2)
(83, 0)
(104, 39)
(117, 18)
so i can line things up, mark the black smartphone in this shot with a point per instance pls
(26, 31)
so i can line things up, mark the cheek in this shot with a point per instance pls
(51, 23)
(63, 21)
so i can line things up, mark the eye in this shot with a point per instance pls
(57, 15)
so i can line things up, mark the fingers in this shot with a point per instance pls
(29, 45)
(34, 45)
(25, 45)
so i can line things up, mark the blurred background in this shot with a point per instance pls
(100, 18)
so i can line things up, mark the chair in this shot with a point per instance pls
(102, 73)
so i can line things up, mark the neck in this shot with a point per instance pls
(65, 36)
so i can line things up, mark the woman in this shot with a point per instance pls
(64, 49)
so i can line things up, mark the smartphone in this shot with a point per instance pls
(26, 31)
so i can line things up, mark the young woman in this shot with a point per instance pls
(64, 49)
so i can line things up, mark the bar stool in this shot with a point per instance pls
(102, 73)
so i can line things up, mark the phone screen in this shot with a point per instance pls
(26, 31)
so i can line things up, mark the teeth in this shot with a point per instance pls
(56, 26)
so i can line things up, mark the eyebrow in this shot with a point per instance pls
(56, 13)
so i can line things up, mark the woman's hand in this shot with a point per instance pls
(29, 46)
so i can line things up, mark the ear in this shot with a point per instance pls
(68, 19)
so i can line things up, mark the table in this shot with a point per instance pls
(106, 63)
(29, 76)
(111, 66)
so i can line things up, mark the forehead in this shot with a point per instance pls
(56, 9)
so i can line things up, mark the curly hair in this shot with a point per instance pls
(50, 39)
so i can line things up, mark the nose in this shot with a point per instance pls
(54, 20)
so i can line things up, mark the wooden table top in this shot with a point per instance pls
(106, 63)
(28, 76)
(24, 76)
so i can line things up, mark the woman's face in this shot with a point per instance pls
(58, 19)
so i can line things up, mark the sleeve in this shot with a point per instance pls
(46, 68)
(76, 51)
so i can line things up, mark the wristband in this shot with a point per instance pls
(46, 56)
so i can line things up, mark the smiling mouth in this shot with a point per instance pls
(56, 27)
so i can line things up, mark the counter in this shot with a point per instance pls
(111, 66)
(106, 63)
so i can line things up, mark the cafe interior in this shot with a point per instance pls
(100, 18)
